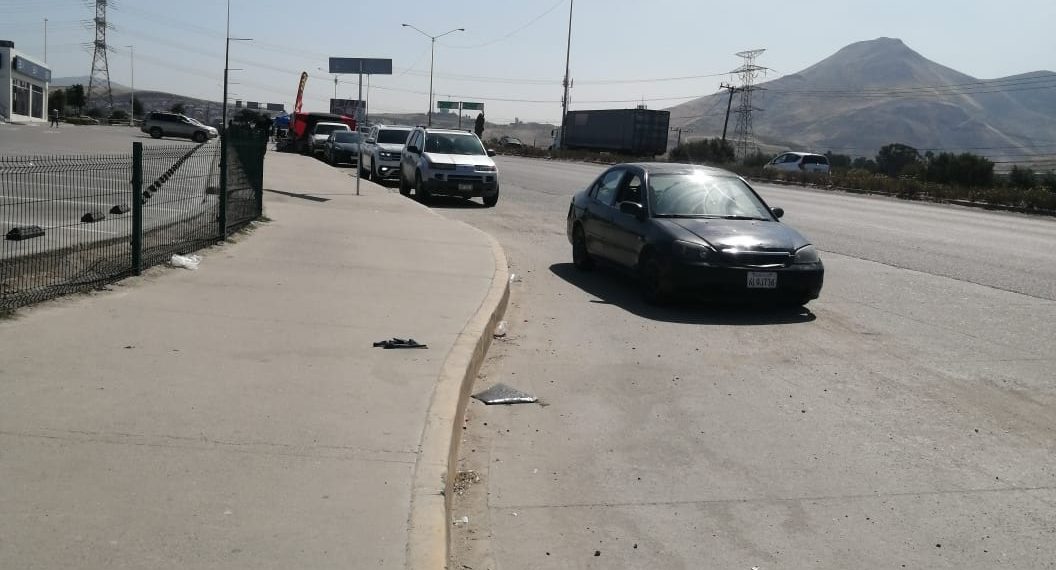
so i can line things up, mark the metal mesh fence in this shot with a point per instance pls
(245, 174)
(180, 200)
(72, 223)
(61, 229)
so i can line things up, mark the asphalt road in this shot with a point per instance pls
(61, 187)
(904, 421)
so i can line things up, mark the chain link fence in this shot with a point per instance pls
(73, 223)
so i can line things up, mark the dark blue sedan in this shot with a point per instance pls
(687, 229)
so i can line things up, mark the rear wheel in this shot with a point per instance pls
(580, 258)
(155, 132)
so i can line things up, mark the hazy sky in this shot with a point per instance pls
(512, 54)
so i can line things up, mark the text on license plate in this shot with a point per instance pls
(465, 186)
(762, 280)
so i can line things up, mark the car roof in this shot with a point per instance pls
(394, 127)
(797, 153)
(678, 168)
(446, 131)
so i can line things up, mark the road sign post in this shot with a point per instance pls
(360, 65)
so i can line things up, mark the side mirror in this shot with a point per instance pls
(633, 208)
(491, 152)
(371, 141)
(413, 149)
(778, 212)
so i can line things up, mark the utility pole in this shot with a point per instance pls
(132, 97)
(568, 59)
(729, 104)
(679, 131)
(45, 41)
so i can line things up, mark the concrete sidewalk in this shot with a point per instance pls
(237, 416)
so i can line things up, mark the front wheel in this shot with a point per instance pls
(405, 187)
(363, 172)
(420, 191)
(655, 286)
(155, 132)
(200, 137)
(580, 258)
(490, 201)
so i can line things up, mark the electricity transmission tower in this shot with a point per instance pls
(100, 68)
(744, 138)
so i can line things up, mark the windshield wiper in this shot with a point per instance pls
(743, 218)
(705, 216)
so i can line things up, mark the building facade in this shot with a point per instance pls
(23, 86)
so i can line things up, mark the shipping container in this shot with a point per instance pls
(641, 132)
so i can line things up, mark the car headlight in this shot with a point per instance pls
(695, 252)
(390, 155)
(806, 254)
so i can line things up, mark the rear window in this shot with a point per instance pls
(393, 136)
(348, 137)
(327, 129)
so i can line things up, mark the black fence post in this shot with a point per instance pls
(223, 181)
(137, 207)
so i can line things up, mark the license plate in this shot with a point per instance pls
(465, 187)
(762, 280)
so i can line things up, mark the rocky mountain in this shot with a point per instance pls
(877, 92)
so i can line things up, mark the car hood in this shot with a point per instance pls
(390, 147)
(739, 234)
(461, 159)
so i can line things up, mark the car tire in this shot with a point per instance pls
(655, 287)
(155, 132)
(374, 173)
(362, 171)
(200, 137)
(580, 258)
(490, 201)
(405, 187)
(420, 190)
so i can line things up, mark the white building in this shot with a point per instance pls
(23, 86)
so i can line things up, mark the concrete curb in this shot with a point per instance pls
(428, 534)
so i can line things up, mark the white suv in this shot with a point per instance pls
(448, 162)
(379, 154)
(799, 161)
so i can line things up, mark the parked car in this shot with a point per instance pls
(692, 229)
(342, 146)
(176, 125)
(510, 143)
(379, 153)
(450, 163)
(799, 162)
(320, 132)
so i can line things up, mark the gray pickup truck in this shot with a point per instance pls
(379, 154)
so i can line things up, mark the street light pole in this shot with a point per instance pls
(45, 41)
(432, 58)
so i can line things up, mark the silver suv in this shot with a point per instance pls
(379, 154)
(175, 125)
(450, 163)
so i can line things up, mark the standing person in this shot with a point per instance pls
(479, 126)
(54, 115)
